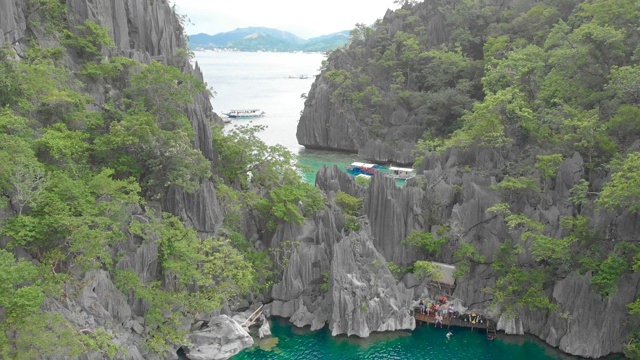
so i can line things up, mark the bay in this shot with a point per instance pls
(272, 83)
(247, 80)
(269, 81)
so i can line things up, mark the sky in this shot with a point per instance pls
(304, 18)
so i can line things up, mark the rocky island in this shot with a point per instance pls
(133, 227)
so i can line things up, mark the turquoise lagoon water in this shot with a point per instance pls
(313, 160)
(424, 343)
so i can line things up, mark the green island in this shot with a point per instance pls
(266, 39)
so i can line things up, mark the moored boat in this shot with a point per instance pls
(360, 168)
(245, 113)
(401, 173)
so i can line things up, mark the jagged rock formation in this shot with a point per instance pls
(361, 293)
(362, 296)
(327, 124)
(101, 304)
(393, 214)
(586, 324)
(365, 295)
(144, 31)
(359, 110)
(222, 339)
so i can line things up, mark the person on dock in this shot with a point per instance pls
(438, 320)
(422, 307)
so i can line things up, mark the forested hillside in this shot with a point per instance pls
(112, 238)
(133, 227)
(523, 118)
(419, 72)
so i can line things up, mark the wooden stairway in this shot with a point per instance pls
(252, 318)
(491, 330)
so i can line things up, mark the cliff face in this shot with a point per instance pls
(370, 100)
(12, 21)
(143, 30)
(362, 296)
(328, 123)
(150, 30)
(339, 280)
(586, 323)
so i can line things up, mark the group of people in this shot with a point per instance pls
(440, 309)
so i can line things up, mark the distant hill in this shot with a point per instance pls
(327, 42)
(267, 39)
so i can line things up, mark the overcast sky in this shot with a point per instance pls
(303, 18)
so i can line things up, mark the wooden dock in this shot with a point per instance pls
(446, 322)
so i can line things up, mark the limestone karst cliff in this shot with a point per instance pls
(143, 31)
(524, 148)
(378, 95)
(523, 193)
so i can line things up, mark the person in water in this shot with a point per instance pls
(449, 335)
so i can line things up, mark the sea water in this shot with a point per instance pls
(271, 82)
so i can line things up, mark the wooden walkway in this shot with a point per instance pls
(451, 322)
(252, 318)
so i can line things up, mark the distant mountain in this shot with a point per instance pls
(327, 42)
(267, 39)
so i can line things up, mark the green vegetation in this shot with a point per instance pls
(426, 242)
(534, 84)
(325, 282)
(425, 270)
(395, 270)
(623, 191)
(88, 40)
(464, 256)
(364, 308)
(352, 207)
(350, 204)
(247, 162)
(78, 169)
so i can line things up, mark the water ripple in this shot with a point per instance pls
(425, 343)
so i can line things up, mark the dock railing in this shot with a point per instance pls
(459, 321)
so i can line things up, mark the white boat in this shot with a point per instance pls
(225, 119)
(245, 113)
(401, 173)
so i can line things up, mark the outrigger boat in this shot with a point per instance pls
(365, 169)
(245, 113)
(401, 173)
(360, 168)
